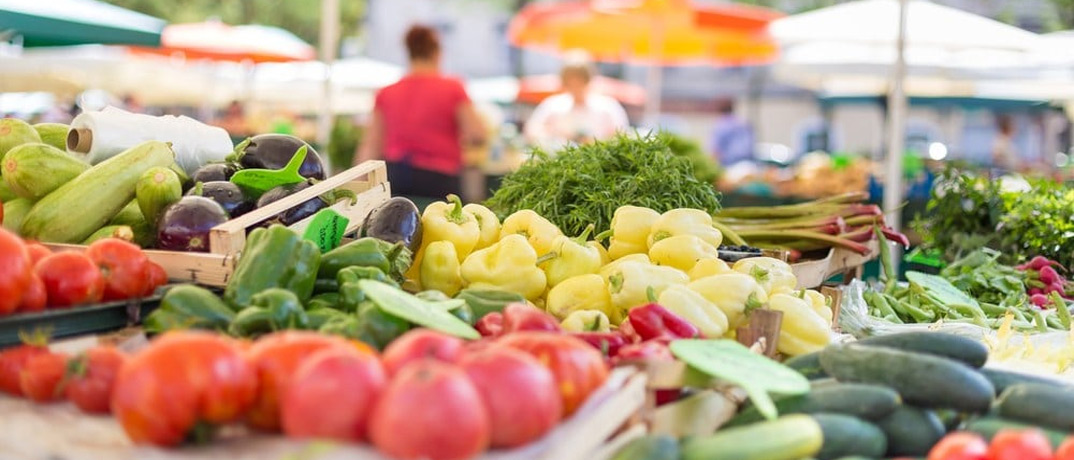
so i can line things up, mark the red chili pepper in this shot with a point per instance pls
(490, 325)
(627, 330)
(648, 350)
(652, 321)
(609, 343)
(522, 317)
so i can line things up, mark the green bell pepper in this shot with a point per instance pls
(363, 252)
(350, 295)
(329, 300)
(485, 301)
(274, 257)
(321, 316)
(463, 312)
(371, 325)
(270, 310)
(189, 307)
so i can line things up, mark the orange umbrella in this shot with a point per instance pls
(222, 42)
(535, 88)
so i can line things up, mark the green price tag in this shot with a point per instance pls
(326, 229)
(255, 182)
(433, 315)
(733, 362)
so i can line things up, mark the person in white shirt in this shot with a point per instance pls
(576, 115)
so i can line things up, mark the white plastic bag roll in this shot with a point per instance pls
(101, 135)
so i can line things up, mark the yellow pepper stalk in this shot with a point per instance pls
(708, 267)
(629, 285)
(685, 221)
(571, 257)
(446, 221)
(509, 265)
(774, 275)
(630, 228)
(681, 251)
(693, 307)
(612, 266)
(487, 223)
(536, 229)
(440, 268)
(586, 321)
(582, 292)
(802, 330)
(820, 305)
(733, 293)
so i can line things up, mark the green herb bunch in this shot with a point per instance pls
(705, 167)
(962, 213)
(1040, 222)
(584, 185)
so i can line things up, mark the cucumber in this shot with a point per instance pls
(791, 437)
(157, 189)
(922, 380)
(955, 347)
(845, 435)
(987, 427)
(911, 431)
(1002, 379)
(15, 212)
(78, 208)
(35, 170)
(1038, 404)
(649, 447)
(950, 419)
(122, 232)
(869, 402)
(808, 365)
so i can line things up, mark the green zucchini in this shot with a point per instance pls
(78, 208)
(35, 170)
(987, 427)
(1045, 405)
(922, 380)
(15, 212)
(791, 437)
(158, 188)
(145, 235)
(911, 431)
(869, 402)
(122, 232)
(1002, 379)
(6, 194)
(808, 365)
(54, 134)
(845, 435)
(951, 346)
(649, 447)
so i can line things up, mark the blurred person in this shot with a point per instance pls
(1004, 154)
(732, 138)
(421, 124)
(576, 115)
(131, 104)
(234, 120)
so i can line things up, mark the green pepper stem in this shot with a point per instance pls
(455, 215)
(651, 294)
(752, 303)
(604, 235)
(547, 257)
(584, 237)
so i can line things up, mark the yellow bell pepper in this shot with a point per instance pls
(582, 292)
(681, 251)
(733, 293)
(630, 228)
(774, 275)
(487, 223)
(446, 221)
(612, 266)
(820, 304)
(802, 330)
(586, 321)
(629, 285)
(693, 307)
(685, 221)
(440, 268)
(604, 258)
(509, 265)
(570, 257)
(708, 267)
(538, 231)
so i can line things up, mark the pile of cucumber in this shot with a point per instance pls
(882, 397)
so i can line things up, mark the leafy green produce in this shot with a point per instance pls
(583, 185)
(705, 167)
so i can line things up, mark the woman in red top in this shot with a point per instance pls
(419, 124)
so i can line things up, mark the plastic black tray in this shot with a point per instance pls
(80, 320)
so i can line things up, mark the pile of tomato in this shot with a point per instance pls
(33, 278)
(1008, 444)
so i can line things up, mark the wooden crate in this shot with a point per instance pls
(369, 181)
(813, 273)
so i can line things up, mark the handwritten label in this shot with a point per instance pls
(326, 229)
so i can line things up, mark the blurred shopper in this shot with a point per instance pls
(421, 123)
(732, 139)
(576, 115)
(1004, 155)
(233, 120)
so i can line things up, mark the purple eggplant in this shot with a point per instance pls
(228, 195)
(295, 213)
(185, 224)
(397, 220)
(215, 172)
(273, 151)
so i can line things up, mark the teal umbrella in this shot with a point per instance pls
(77, 22)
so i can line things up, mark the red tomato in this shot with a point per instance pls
(180, 379)
(15, 271)
(70, 279)
(430, 410)
(41, 376)
(1028, 444)
(421, 343)
(347, 382)
(12, 360)
(519, 394)
(276, 357)
(960, 446)
(1066, 449)
(91, 377)
(34, 298)
(38, 251)
(155, 277)
(123, 266)
(577, 366)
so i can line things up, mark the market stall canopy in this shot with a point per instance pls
(535, 88)
(77, 22)
(215, 40)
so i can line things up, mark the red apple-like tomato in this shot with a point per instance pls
(91, 378)
(70, 278)
(519, 393)
(579, 368)
(345, 382)
(418, 344)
